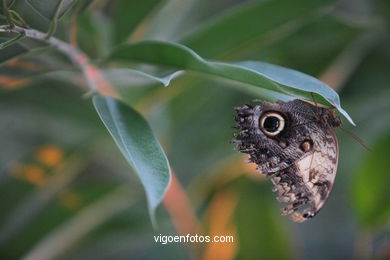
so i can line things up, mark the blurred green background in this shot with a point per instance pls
(67, 192)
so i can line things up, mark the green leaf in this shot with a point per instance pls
(137, 143)
(250, 23)
(136, 77)
(129, 14)
(51, 9)
(371, 186)
(256, 74)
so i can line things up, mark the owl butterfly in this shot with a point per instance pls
(294, 144)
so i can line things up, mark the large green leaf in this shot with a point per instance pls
(257, 22)
(256, 74)
(51, 9)
(129, 14)
(137, 143)
(371, 186)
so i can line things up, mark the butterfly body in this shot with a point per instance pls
(295, 145)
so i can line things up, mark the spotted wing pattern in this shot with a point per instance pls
(303, 177)
(314, 175)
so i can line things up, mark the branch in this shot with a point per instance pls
(7, 13)
(95, 79)
(182, 214)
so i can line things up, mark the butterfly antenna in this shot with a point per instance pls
(357, 138)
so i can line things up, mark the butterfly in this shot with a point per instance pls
(294, 144)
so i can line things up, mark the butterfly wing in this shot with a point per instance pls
(310, 180)
(301, 160)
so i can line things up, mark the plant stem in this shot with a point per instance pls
(95, 79)
(10, 41)
(6, 13)
(182, 214)
(17, 18)
(53, 24)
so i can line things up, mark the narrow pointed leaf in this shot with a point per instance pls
(137, 143)
(255, 74)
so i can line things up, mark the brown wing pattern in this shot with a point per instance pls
(308, 183)
(301, 159)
